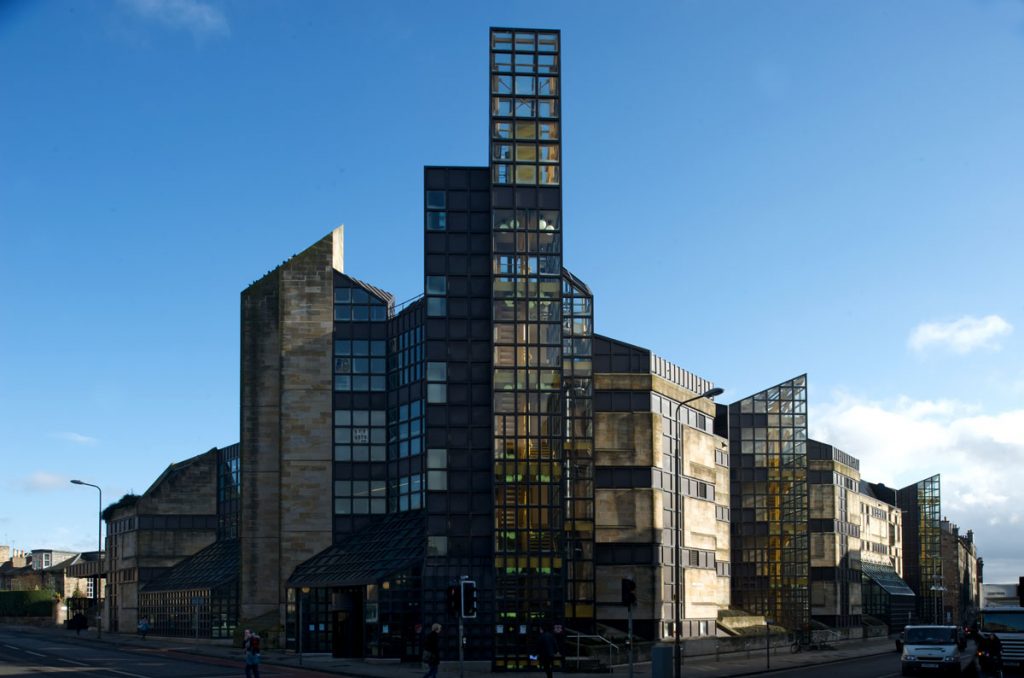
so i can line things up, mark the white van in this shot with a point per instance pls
(934, 649)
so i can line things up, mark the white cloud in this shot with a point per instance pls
(960, 336)
(76, 438)
(200, 18)
(41, 480)
(980, 458)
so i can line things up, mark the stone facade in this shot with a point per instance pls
(881, 533)
(174, 519)
(960, 599)
(639, 515)
(286, 426)
(833, 492)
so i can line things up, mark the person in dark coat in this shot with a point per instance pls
(547, 650)
(432, 651)
(251, 645)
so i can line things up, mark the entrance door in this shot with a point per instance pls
(347, 630)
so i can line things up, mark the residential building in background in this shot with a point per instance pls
(962, 594)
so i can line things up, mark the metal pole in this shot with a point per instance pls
(680, 588)
(99, 564)
(301, 627)
(767, 645)
(629, 613)
(99, 559)
(461, 665)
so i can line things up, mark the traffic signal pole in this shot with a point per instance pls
(467, 610)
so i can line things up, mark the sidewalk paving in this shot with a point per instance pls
(710, 666)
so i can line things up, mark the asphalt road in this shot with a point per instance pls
(25, 654)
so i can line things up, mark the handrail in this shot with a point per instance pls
(578, 635)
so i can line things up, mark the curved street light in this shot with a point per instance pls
(680, 589)
(99, 558)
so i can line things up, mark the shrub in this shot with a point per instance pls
(26, 603)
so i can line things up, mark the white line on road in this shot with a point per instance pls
(125, 673)
(36, 654)
(71, 661)
(12, 647)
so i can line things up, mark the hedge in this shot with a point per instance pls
(26, 603)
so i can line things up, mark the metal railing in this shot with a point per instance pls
(613, 649)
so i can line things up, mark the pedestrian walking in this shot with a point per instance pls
(251, 644)
(432, 651)
(144, 627)
(547, 650)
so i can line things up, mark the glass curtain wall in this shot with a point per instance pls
(529, 396)
(768, 470)
(922, 544)
(577, 369)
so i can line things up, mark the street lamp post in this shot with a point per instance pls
(99, 558)
(680, 590)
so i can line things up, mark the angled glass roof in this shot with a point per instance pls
(391, 544)
(217, 564)
(886, 577)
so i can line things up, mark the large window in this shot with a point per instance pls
(360, 435)
(359, 365)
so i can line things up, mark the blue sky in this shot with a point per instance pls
(784, 187)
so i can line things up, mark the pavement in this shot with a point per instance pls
(710, 666)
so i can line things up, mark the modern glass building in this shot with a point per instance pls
(770, 506)
(460, 421)
(921, 504)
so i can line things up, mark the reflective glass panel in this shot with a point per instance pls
(502, 84)
(525, 84)
(526, 174)
(526, 130)
(526, 152)
(549, 130)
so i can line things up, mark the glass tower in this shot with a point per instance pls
(529, 393)
(922, 543)
(768, 470)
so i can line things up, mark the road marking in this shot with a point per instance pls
(125, 673)
(12, 647)
(71, 661)
(34, 653)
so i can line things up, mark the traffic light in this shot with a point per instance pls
(468, 598)
(628, 592)
(453, 599)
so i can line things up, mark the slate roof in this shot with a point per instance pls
(390, 544)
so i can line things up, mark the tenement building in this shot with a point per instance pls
(478, 432)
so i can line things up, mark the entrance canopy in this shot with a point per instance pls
(392, 543)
